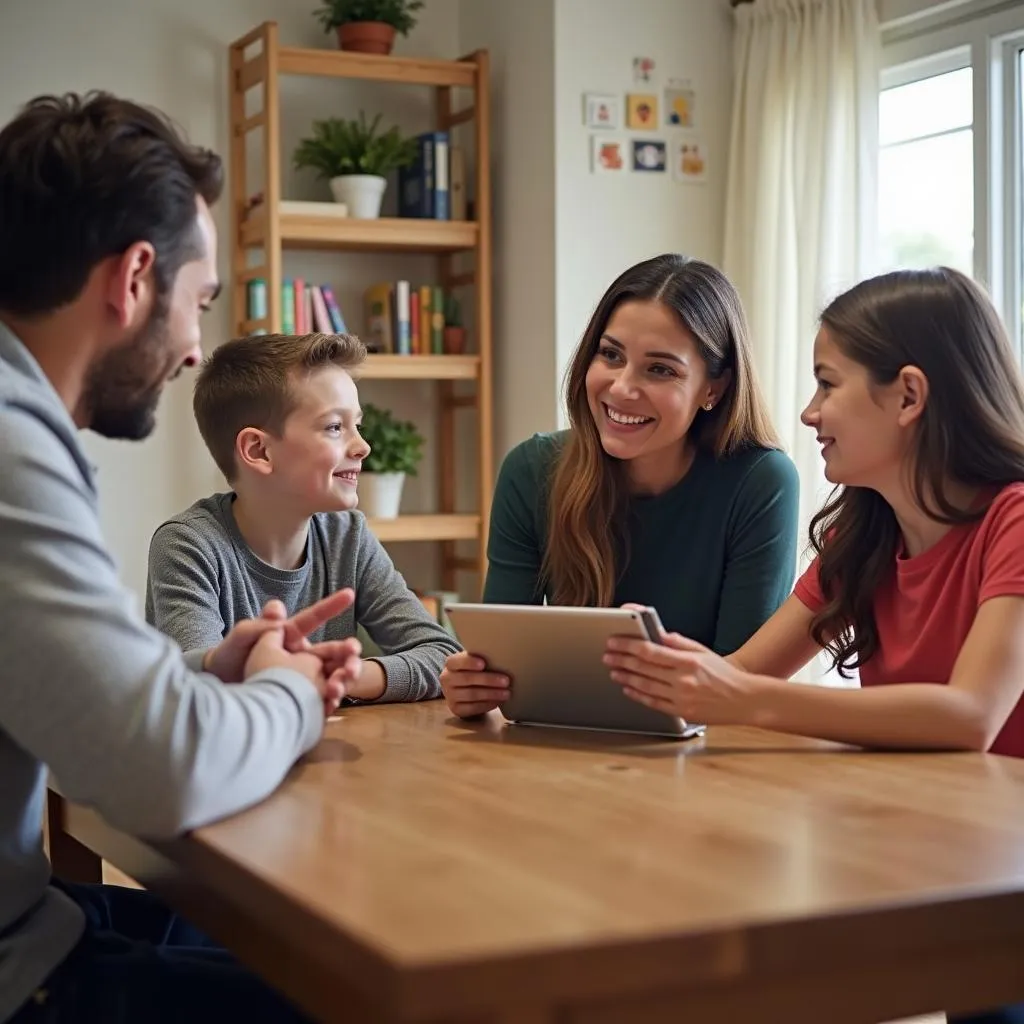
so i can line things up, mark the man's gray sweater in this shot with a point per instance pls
(90, 691)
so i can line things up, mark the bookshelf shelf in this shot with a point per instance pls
(436, 527)
(260, 237)
(390, 367)
(385, 234)
(294, 60)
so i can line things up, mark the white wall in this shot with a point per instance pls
(606, 223)
(173, 54)
(520, 38)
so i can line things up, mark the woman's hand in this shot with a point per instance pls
(683, 678)
(468, 687)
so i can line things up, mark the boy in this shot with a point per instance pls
(280, 416)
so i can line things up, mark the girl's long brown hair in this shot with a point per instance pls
(587, 505)
(970, 433)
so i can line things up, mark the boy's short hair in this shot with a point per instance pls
(248, 382)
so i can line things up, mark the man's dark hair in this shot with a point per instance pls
(83, 178)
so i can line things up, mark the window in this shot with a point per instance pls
(926, 173)
(951, 160)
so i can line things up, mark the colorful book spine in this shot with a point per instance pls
(414, 322)
(416, 182)
(379, 299)
(321, 318)
(301, 325)
(437, 321)
(442, 204)
(426, 302)
(256, 302)
(287, 306)
(333, 309)
(403, 327)
(307, 296)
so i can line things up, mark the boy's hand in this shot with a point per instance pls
(340, 656)
(269, 652)
(227, 660)
(369, 682)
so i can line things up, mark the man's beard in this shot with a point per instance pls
(123, 389)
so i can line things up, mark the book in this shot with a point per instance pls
(423, 185)
(437, 321)
(379, 300)
(301, 324)
(403, 333)
(307, 307)
(414, 322)
(457, 182)
(442, 209)
(321, 318)
(256, 299)
(333, 310)
(287, 306)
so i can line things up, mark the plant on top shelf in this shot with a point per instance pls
(354, 157)
(368, 26)
(396, 450)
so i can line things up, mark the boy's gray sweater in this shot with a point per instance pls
(203, 578)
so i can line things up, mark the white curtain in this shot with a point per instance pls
(801, 192)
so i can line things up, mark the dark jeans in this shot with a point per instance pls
(138, 963)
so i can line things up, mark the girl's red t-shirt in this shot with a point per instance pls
(926, 609)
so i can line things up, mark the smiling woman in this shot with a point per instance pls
(667, 490)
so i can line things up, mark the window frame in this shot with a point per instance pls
(988, 36)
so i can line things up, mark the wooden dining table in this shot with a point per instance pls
(414, 868)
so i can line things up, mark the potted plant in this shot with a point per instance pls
(368, 26)
(454, 332)
(355, 158)
(395, 453)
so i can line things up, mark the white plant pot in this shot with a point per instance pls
(380, 494)
(361, 193)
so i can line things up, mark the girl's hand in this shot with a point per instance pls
(683, 678)
(468, 687)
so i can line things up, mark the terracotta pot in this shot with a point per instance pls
(366, 37)
(454, 340)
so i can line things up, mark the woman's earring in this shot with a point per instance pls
(709, 406)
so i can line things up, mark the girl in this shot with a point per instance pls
(668, 488)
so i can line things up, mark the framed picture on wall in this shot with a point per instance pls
(649, 155)
(642, 111)
(680, 107)
(602, 110)
(607, 154)
(689, 161)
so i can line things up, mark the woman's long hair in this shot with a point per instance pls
(970, 433)
(588, 496)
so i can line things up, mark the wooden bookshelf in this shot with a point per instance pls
(257, 61)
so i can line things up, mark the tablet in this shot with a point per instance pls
(553, 655)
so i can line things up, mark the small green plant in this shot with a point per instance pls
(396, 13)
(396, 444)
(452, 312)
(340, 146)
